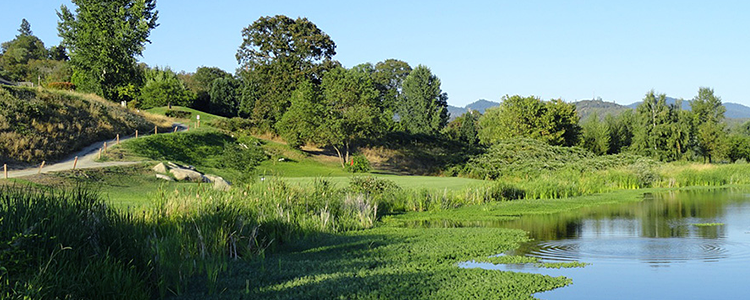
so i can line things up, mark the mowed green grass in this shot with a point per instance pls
(406, 182)
(206, 118)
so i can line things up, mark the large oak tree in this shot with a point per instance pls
(276, 55)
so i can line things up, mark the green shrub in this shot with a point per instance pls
(371, 185)
(358, 164)
(179, 114)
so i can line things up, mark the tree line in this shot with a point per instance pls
(654, 129)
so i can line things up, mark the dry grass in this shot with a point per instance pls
(39, 124)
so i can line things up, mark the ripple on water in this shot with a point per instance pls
(651, 250)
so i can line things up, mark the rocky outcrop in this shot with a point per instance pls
(160, 168)
(219, 183)
(186, 175)
(182, 173)
(164, 177)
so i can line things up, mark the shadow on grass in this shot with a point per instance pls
(391, 263)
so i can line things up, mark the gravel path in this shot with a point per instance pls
(86, 159)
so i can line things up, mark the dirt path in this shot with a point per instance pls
(86, 159)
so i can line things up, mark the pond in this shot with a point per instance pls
(672, 245)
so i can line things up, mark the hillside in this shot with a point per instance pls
(587, 108)
(480, 105)
(41, 125)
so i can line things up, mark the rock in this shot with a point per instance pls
(219, 183)
(172, 165)
(165, 177)
(185, 174)
(161, 168)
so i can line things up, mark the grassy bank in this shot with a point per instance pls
(39, 124)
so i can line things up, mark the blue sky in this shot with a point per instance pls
(616, 50)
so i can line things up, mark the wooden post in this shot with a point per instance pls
(5, 170)
(75, 162)
(175, 129)
(155, 130)
(188, 128)
(105, 147)
(40, 167)
(100, 153)
(118, 138)
(136, 133)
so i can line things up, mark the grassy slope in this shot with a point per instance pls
(40, 124)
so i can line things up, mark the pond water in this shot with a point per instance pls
(672, 245)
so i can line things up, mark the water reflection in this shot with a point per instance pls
(647, 250)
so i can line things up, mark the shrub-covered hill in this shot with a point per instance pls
(40, 124)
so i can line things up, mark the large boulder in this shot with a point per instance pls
(161, 168)
(164, 177)
(186, 175)
(219, 183)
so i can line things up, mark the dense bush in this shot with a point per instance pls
(179, 114)
(528, 158)
(358, 164)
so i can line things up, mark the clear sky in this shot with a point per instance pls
(574, 50)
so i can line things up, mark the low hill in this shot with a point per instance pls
(586, 108)
(40, 124)
(480, 105)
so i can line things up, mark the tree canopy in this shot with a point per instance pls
(424, 106)
(554, 122)
(103, 39)
(277, 54)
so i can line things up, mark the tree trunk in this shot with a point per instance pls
(341, 159)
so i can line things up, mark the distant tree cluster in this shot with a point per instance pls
(25, 58)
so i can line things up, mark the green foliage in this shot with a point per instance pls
(86, 251)
(464, 128)
(372, 185)
(178, 114)
(595, 136)
(301, 121)
(554, 122)
(349, 110)
(661, 131)
(709, 123)
(277, 54)
(163, 87)
(423, 108)
(358, 164)
(17, 53)
(224, 97)
(38, 125)
(738, 147)
(200, 83)
(120, 30)
(523, 158)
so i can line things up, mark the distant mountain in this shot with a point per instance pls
(480, 105)
(736, 111)
(586, 108)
